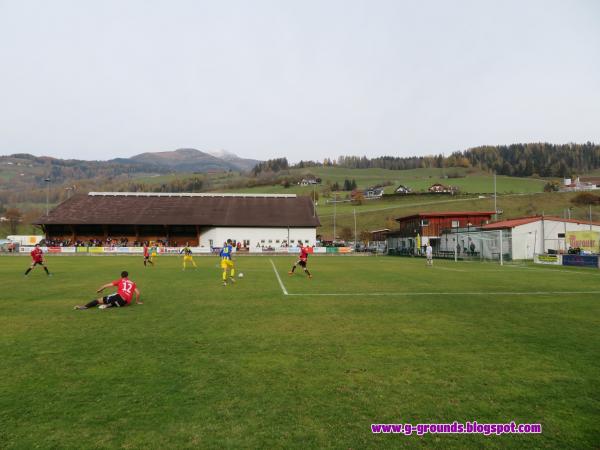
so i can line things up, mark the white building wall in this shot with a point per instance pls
(258, 237)
(527, 238)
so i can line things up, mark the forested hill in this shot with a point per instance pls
(523, 160)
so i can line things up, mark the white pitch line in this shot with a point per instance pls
(409, 294)
(285, 292)
(450, 269)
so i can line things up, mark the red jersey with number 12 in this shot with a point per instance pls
(37, 255)
(125, 288)
(303, 253)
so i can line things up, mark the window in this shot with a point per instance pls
(561, 235)
(262, 241)
(425, 223)
(270, 241)
(277, 241)
(455, 224)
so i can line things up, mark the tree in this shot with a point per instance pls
(13, 216)
(358, 198)
(364, 236)
(346, 234)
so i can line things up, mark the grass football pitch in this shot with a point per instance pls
(368, 340)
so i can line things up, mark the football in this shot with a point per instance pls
(102, 306)
(240, 275)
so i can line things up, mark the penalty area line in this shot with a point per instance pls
(439, 294)
(285, 292)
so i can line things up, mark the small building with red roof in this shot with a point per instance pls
(522, 237)
(415, 231)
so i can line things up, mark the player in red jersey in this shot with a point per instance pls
(37, 259)
(302, 260)
(125, 290)
(147, 255)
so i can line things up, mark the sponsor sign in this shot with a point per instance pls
(548, 259)
(319, 249)
(586, 240)
(96, 249)
(580, 260)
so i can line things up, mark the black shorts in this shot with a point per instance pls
(146, 256)
(114, 300)
(35, 263)
(302, 263)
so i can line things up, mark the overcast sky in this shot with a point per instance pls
(303, 79)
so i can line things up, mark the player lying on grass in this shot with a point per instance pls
(125, 290)
(227, 262)
(37, 259)
(187, 256)
(302, 260)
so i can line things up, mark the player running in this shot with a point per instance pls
(147, 255)
(153, 253)
(125, 290)
(37, 259)
(187, 256)
(301, 261)
(227, 262)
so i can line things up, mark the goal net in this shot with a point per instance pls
(495, 245)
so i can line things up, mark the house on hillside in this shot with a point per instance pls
(403, 189)
(439, 188)
(580, 184)
(373, 193)
(309, 181)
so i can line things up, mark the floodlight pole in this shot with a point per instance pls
(47, 180)
(314, 204)
(590, 217)
(495, 205)
(501, 249)
(334, 211)
(355, 229)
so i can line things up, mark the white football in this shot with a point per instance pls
(103, 306)
(240, 275)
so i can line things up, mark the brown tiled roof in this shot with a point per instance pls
(209, 210)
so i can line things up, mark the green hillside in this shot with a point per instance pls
(467, 180)
(377, 214)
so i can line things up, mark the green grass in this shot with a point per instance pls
(468, 181)
(200, 365)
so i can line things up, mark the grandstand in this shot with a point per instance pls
(254, 220)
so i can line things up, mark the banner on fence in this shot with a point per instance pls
(580, 260)
(585, 240)
(548, 259)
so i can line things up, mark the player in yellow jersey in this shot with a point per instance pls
(187, 256)
(227, 262)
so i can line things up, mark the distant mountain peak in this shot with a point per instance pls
(223, 154)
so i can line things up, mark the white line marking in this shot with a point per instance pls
(448, 268)
(285, 292)
(408, 294)
(540, 269)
